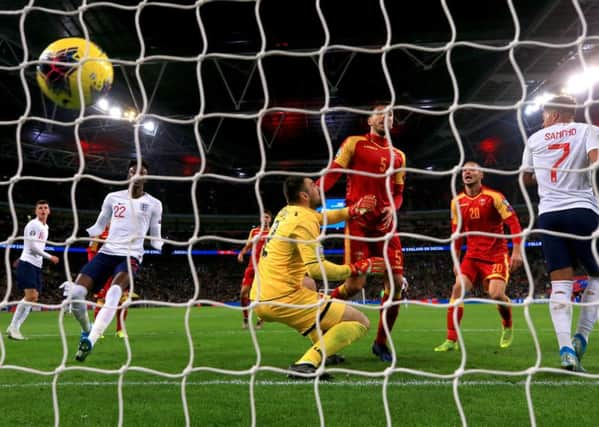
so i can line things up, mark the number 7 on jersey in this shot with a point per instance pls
(565, 147)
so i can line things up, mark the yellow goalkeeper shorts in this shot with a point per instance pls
(302, 320)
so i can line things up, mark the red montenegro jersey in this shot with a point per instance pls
(259, 244)
(487, 211)
(369, 153)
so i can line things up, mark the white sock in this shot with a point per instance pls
(21, 313)
(588, 315)
(79, 309)
(561, 311)
(106, 313)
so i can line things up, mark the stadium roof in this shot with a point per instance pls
(231, 78)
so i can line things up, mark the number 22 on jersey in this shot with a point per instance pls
(119, 211)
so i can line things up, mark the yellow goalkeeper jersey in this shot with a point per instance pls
(292, 252)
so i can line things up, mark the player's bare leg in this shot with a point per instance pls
(21, 312)
(497, 292)
(244, 297)
(309, 283)
(561, 315)
(380, 347)
(451, 343)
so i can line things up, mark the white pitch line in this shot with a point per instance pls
(366, 383)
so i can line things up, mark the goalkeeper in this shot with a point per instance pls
(292, 252)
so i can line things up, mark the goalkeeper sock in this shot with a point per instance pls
(106, 314)
(588, 315)
(22, 311)
(340, 292)
(244, 303)
(391, 316)
(505, 311)
(79, 309)
(452, 333)
(561, 311)
(334, 340)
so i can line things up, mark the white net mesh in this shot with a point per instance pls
(382, 379)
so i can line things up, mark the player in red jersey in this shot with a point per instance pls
(92, 251)
(486, 260)
(248, 274)
(372, 153)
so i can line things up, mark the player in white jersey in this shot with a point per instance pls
(29, 267)
(131, 215)
(567, 205)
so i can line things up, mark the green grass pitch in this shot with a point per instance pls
(158, 342)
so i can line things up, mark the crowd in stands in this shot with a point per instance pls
(218, 277)
(170, 279)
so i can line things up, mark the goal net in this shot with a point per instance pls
(225, 99)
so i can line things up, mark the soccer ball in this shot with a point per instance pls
(60, 82)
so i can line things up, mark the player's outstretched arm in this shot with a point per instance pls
(103, 218)
(310, 251)
(369, 266)
(156, 227)
(245, 249)
(331, 177)
(37, 246)
(366, 204)
(516, 258)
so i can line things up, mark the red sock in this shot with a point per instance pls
(452, 334)
(244, 303)
(119, 324)
(505, 311)
(391, 316)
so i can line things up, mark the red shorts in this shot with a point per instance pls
(480, 271)
(248, 276)
(356, 250)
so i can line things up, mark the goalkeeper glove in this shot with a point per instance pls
(364, 205)
(373, 265)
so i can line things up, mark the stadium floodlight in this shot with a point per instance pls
(103, 104)
(149, 126)
(130, 115)
(578, 83)
(542, 99)
(115, 112)
(531, 109)
(538, 103)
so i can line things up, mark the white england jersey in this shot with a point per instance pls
(557, 147)
(36, 234)
(130, 219)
